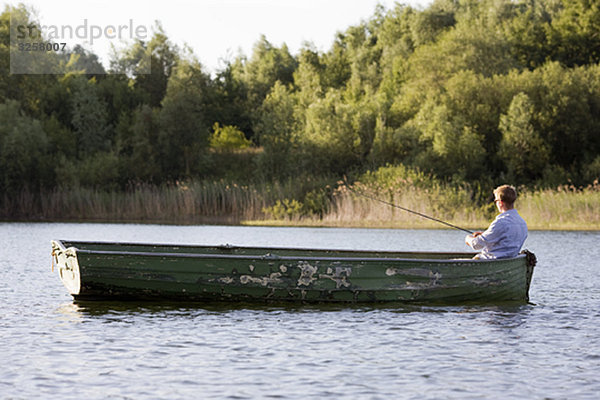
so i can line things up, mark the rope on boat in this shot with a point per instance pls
(52, 256)
(531, 258)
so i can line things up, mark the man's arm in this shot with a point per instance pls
(475, 241)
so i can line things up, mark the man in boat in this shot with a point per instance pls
(506, 234)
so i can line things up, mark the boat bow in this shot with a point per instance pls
(65, 260)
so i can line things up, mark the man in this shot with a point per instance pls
(506, 234)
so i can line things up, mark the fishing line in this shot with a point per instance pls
(405, 209)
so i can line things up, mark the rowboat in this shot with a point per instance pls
(103, 270)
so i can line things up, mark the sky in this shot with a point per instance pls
(215, 30)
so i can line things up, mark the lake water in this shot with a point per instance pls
(52, 347)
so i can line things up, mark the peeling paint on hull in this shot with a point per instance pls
(197, 273)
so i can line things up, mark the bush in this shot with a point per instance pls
(228, 138)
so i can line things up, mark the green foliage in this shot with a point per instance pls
(286, 209)
(25, 88)
(185, 131)
(61, 140)
(522, 148)
(569, 116)
(150, 63)
(228, 138)
(100, 170)
(277, 131)
(454, 148)
(396, 176)
(573, 37)
(340, 134)
(82, 61)
(139, 147)
(592, 171)
(23, 144)
(89, 118)
(316, 203)
(229, 100)
(267, 65)
(307, 77)
(475, 91)
(336, 71)
(427, 25)
(478, 101)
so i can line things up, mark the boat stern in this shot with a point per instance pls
(65, 260)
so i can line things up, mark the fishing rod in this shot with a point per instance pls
(405, 209)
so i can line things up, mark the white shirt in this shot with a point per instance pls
(503, 239)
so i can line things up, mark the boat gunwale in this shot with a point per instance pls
(275, 257)
(292, 258)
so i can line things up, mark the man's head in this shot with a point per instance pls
(505, 195)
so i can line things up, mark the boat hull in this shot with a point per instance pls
(92, 270)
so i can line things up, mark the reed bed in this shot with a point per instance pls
(198, 202)
(195, 202)
(565, 208)
(181, 202)
(452, 205)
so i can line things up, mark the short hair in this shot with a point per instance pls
(506, 193)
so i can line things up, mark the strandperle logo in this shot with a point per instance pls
(33, 46)
(84, 31)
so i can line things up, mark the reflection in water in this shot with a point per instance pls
(96, 308)
(69, 312)
(508, 318)
(179, 308)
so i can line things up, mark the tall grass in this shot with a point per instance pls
(565, 207)
(450, 204)
(197, 202)
(182, 202)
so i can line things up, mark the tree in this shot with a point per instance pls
(522, 148)
(163, 56)
(307, 77)
(397, 44)
(185, 130)
(470, 45)
(566, 100)
(336, 71)
(479, 101)
(573, 35)
(151, 64)
(83, 61)
(89, 118)
(428, 24)
(23, 146)
(277, 130)
(31, 71)
(137, 145)
(230, 100)
(339, 133)
(267, 65)
(364, 59)
(527, 33)
(454, 148)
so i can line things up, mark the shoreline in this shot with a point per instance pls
(222, 203)
(213, 221)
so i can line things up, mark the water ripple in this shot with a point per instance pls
(56, 348)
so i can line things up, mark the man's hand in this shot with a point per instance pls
(469, 238)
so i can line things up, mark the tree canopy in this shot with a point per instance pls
(476, 91)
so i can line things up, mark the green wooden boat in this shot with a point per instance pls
(98, 270)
